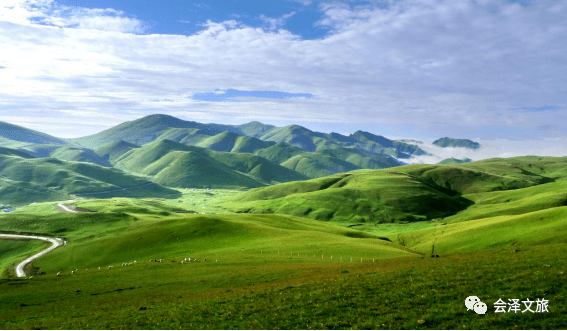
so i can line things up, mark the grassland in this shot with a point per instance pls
(498, 226)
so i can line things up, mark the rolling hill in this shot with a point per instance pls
(174, 164)
(25, 179)
(111, 151)
(15, 136)
(412, 192)
(79, 154)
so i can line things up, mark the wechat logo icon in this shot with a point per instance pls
(474, 303)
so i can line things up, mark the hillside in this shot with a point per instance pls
(111, 151)
(450, 142)
(141, 131)
(78, 154)
(26, 180)
(410, 193)
(314, 165)
(14, 136)
(178, 165)
(452, 160)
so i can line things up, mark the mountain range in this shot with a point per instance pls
(170, 152)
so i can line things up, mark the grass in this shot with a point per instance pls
(506, 240)
(13, 252)
(389, 294)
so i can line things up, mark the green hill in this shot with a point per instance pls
(254, 129)
(232, 142)
(361, 196)
(13, 152)
(178, 165)
(114, 150)
(74, 153)
(141, 131)
(279, 152)
(296, 135)
(454, 161)
(315, 165)
(381, 145)
(12, 135)
(362, 158)
(25, 180)
(450, 142)
(413, 192)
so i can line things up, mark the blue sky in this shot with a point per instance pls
(481, 69)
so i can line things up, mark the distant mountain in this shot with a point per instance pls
(25, 179)
(316, 164)
(450, 142)
(114, 150)
(144, 130)
(455, 161)
(79, 154)
(254, 129)
(174, 164)
(16, 136)
(232, 142)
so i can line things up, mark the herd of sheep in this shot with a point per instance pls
(126, 264)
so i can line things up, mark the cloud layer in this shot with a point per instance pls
(438, 67)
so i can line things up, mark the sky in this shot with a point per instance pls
(493, 71)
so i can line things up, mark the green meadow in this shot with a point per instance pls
(350, 250)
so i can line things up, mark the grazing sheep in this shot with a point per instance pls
(72, 272)
(205, 259)
(130, 263)
(87, 269)
(59, 274)
(151, 260)
(182, 262)
(110, 267)
(135, 262)
(160, 260)
(77, 270)
(98, 268)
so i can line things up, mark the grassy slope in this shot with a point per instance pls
(13, 252)
(177, 165)
(252, 286)
(114, 150)
(73, 153)
(47, 179)
(140, 131)
(452, 160)
(424, 191)
(361, 196)
(13, 134)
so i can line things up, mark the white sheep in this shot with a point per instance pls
(160, 260)
(182, 262)
(135, 262)
(72, 272)
(110, 267)
(87, 270)
(59, 274)
(98, 268)
(205, 259)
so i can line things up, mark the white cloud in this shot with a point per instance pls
(440, 67)
(276, 23)
(28, 12)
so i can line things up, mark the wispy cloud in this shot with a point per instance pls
(276, 23)
(477, 68)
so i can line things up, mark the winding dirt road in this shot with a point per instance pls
(20, 268)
